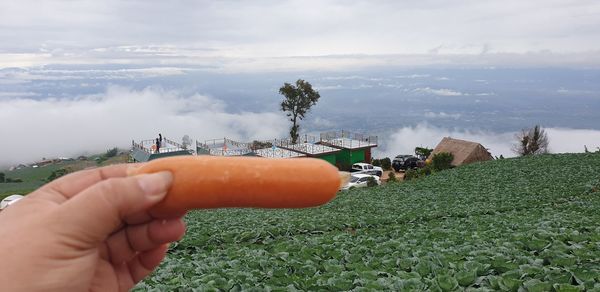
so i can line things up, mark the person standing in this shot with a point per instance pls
(157, 145)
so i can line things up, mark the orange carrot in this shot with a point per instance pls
(201, 182)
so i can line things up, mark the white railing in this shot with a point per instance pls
(277, 153)
(347, 139)
(148, 145)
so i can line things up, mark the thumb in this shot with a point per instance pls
(99, 210)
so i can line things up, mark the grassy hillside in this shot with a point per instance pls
(529, 223)
(33, 178)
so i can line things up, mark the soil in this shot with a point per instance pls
(386, 173)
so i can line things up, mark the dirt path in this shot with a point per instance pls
(386, 173)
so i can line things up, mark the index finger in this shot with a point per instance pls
(69, 185)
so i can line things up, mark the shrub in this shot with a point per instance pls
(392, 177)
(411, 174)
(100, 159)
(427, 170)
(260, 145)
(417, 173)
(376, 162)
(371, 182)
(386, 163)
(13, 180)
(442, 160)
(57, 173)
(111, 152)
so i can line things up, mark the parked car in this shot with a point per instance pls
(404, 162)
(366, 168)
(359, 180)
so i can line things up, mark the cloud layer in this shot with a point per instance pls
(33, 129)
(282, 35)
(562, 140)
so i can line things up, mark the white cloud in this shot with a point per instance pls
(352, 77)
(562, 140)
(328, 87)
(440, 92)
(31, 74)
(238, 34)
(64, 127)
(14, 94)
(412, 76)
(565, 91)
(320, 122)
(442, 115)
(339, 87)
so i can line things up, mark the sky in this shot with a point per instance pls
(236, 35)
(85, 76)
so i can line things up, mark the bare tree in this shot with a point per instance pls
(531, 141)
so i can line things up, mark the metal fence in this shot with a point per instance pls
(348, 139)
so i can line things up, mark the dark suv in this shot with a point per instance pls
(404, 162)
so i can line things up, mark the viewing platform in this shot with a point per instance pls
(276, 152)
(353, 147)
(145, 150)
(341, 149)
(223, 147)
(348, 140)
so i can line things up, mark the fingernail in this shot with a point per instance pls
(155, 184)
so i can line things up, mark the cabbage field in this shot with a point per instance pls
(526, 224)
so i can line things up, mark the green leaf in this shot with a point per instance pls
(423, 268)
(446, 282)
(405, 264)
(466, 278)
(341, 284)
(567, 288)
(509, 284)
(535, 285)
(531, 270)
(412, 284)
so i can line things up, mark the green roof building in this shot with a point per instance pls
(353, 148)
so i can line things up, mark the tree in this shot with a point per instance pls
(442, 160)
(371, 182)
(386, 163)
(298, 100)
(423, 152)
(260, 145)
(531, 141)
(58, 173)
(2, 177)
(111, 152)
(186, 142)
(392, 177)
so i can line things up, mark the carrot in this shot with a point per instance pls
(201, 182)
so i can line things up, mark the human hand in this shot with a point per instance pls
(89, 230)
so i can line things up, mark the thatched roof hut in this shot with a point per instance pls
(464, 152)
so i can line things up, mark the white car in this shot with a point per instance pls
(9, 201)
(366, 168)
(360, 180)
